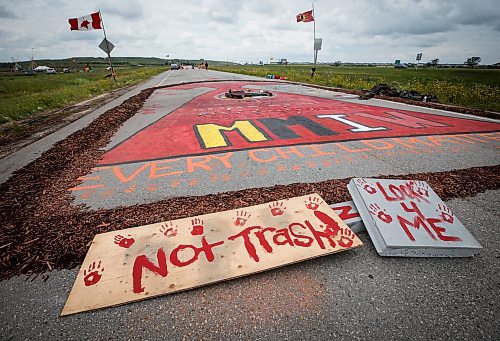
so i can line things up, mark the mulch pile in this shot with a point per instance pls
(41, 229)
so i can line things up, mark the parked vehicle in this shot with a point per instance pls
(50, 70)
(175, 67)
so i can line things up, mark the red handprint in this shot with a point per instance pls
(197, 226)
(422, 188)
(241, 218)
(277, 208)
(346, 237)
(124, 242)
(380, 213)
(313, 203)
(94, 274)
(446, 214)
(168, 229)
(366, 186)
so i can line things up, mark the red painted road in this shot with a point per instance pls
(211, 123)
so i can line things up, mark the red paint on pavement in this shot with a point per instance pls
(282, 120)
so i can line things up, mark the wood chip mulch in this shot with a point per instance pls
(41, 230)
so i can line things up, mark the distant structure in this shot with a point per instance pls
(282, 61)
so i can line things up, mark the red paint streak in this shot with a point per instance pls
(157, 141)
(345, 212)
(427, 223)
(300, 239)
(245, 234)
(142, 261)
(332, 229)
(402, 192)
(206, 248)
(262, 239)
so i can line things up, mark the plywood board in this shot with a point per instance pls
(158, 259)
(349, 214)
(407, 218)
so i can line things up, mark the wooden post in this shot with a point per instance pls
(107, 48)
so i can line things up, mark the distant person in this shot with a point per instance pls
(206, 65)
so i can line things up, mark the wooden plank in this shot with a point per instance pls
(163, 258)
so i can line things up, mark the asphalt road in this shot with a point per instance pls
(352, 295)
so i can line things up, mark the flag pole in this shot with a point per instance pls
(107, 48)
(314, 41)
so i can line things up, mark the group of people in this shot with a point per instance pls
(203, 66)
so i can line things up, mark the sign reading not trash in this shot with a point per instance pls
(158, 259)
(407, 218)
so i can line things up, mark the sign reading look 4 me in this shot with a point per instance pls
(158, 259)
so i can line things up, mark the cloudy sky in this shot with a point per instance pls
(254, 30)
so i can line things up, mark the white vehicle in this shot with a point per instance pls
(51, 70)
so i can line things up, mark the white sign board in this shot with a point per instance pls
(407, 218)
(317, 43)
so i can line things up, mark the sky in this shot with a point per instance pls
(256, 30)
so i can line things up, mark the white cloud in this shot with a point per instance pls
(253, 30)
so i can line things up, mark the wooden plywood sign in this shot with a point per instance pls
(158, 259)
(407, 218)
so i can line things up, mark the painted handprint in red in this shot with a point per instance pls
(446, 214)
(168, 229)
(277, 208)
(241, 218)
(346, 237)
(93, 275)
(197, 226)
(366, 186)
(422, 188)
(125, 242)
(313, 203)
(380, 213)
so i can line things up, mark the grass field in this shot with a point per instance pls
(24, 96)
(473, 88)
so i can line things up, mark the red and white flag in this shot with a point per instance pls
(86, 23)
(305, 17)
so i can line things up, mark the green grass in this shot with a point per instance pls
(473, 88)
(24, 96)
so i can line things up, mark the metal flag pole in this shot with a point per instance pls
(107, 48)
(315, 54)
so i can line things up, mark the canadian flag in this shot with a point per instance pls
(86, 23)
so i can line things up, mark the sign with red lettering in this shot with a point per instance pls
(212, 123)
(159, 259)
(407, 218)
(349, 214)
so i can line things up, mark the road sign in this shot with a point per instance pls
(419, 56)
(106, 47)
(317, 43)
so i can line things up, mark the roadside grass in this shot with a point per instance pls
(24, 96)
(472, 88)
